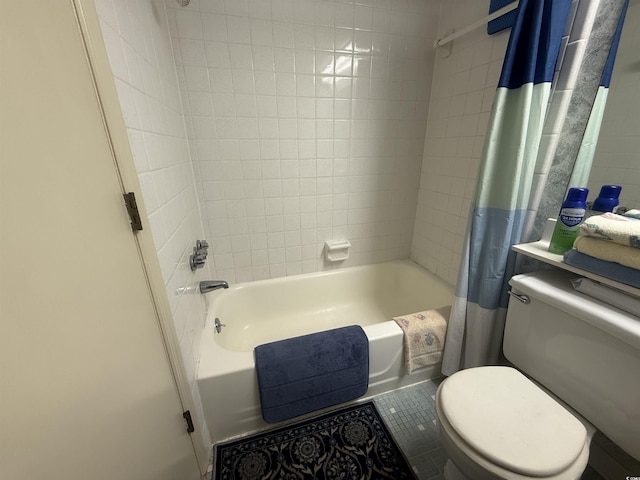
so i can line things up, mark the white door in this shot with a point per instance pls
(86, 390)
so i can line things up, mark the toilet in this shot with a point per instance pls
(574, 369)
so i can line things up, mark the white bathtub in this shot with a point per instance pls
(259, 312)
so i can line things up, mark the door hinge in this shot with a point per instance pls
(132, 208)
(187, 417)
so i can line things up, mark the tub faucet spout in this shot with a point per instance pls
(210, 285)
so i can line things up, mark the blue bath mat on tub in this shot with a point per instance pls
(304, 374)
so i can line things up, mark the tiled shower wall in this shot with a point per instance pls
(464, 84)
(136, 36)
(307, 123)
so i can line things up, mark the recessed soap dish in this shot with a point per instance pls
(336, 250)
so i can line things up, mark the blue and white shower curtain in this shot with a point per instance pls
(497, 217)
(584, 159)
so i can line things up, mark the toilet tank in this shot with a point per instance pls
(584, 351)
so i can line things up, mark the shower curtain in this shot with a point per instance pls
(498, 214)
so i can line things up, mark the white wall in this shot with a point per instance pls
(464, 84)
(308, 122)
(136, 36)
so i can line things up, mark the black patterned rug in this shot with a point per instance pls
(351, 443)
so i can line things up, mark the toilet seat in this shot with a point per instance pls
(510, 422)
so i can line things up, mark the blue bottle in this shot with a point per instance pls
(569, 220)
(608, 200)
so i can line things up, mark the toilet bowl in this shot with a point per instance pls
(574, 371)
(495, 423)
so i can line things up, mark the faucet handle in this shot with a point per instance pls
(196, 261)
(199, 256)
(200, 253)
(202, 245)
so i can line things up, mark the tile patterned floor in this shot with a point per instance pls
(410, 415)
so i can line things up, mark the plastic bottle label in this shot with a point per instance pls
(572, 217)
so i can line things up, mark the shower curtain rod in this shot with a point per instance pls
(473, 26)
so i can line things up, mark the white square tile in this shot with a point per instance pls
(305, 86)
(197, 79)
(192, 52)
(343, 40)
(290, 188)
(200, 103)
(265, 83)
(304, 12)
(220, 80)
(245, 105)
(237, 7)
(325, 63)
(287, 107)
(269, 148)
(247, 128)
(363, 17)
(306, 106)
(266, 104)
(263, 58)
(285, 84)
(282, 10)
(289, 169)
(240, 55)
(260, 9)
(304, 62)
(324, 13)
(283, 35)
(344, 15)
(363, 42)
(307, 148)
(223, 105)
(273, 206)
(324, 38)
(284, 59)
(343, 87)
(288, 149)
(304, 36)
(306, 129)
(217, 54)
(189, 24)
(324, 130)
(288, 128)
(214, 27)
(261, 32)
(243, 81)
(324, 86)
(238, 30)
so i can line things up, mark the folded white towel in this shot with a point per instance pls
(608, 251)
(424, 334)
(614, 228)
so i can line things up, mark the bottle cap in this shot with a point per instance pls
(611, 191)
(577, 195)
(608, 198)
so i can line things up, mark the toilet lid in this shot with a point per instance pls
(510, 421)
